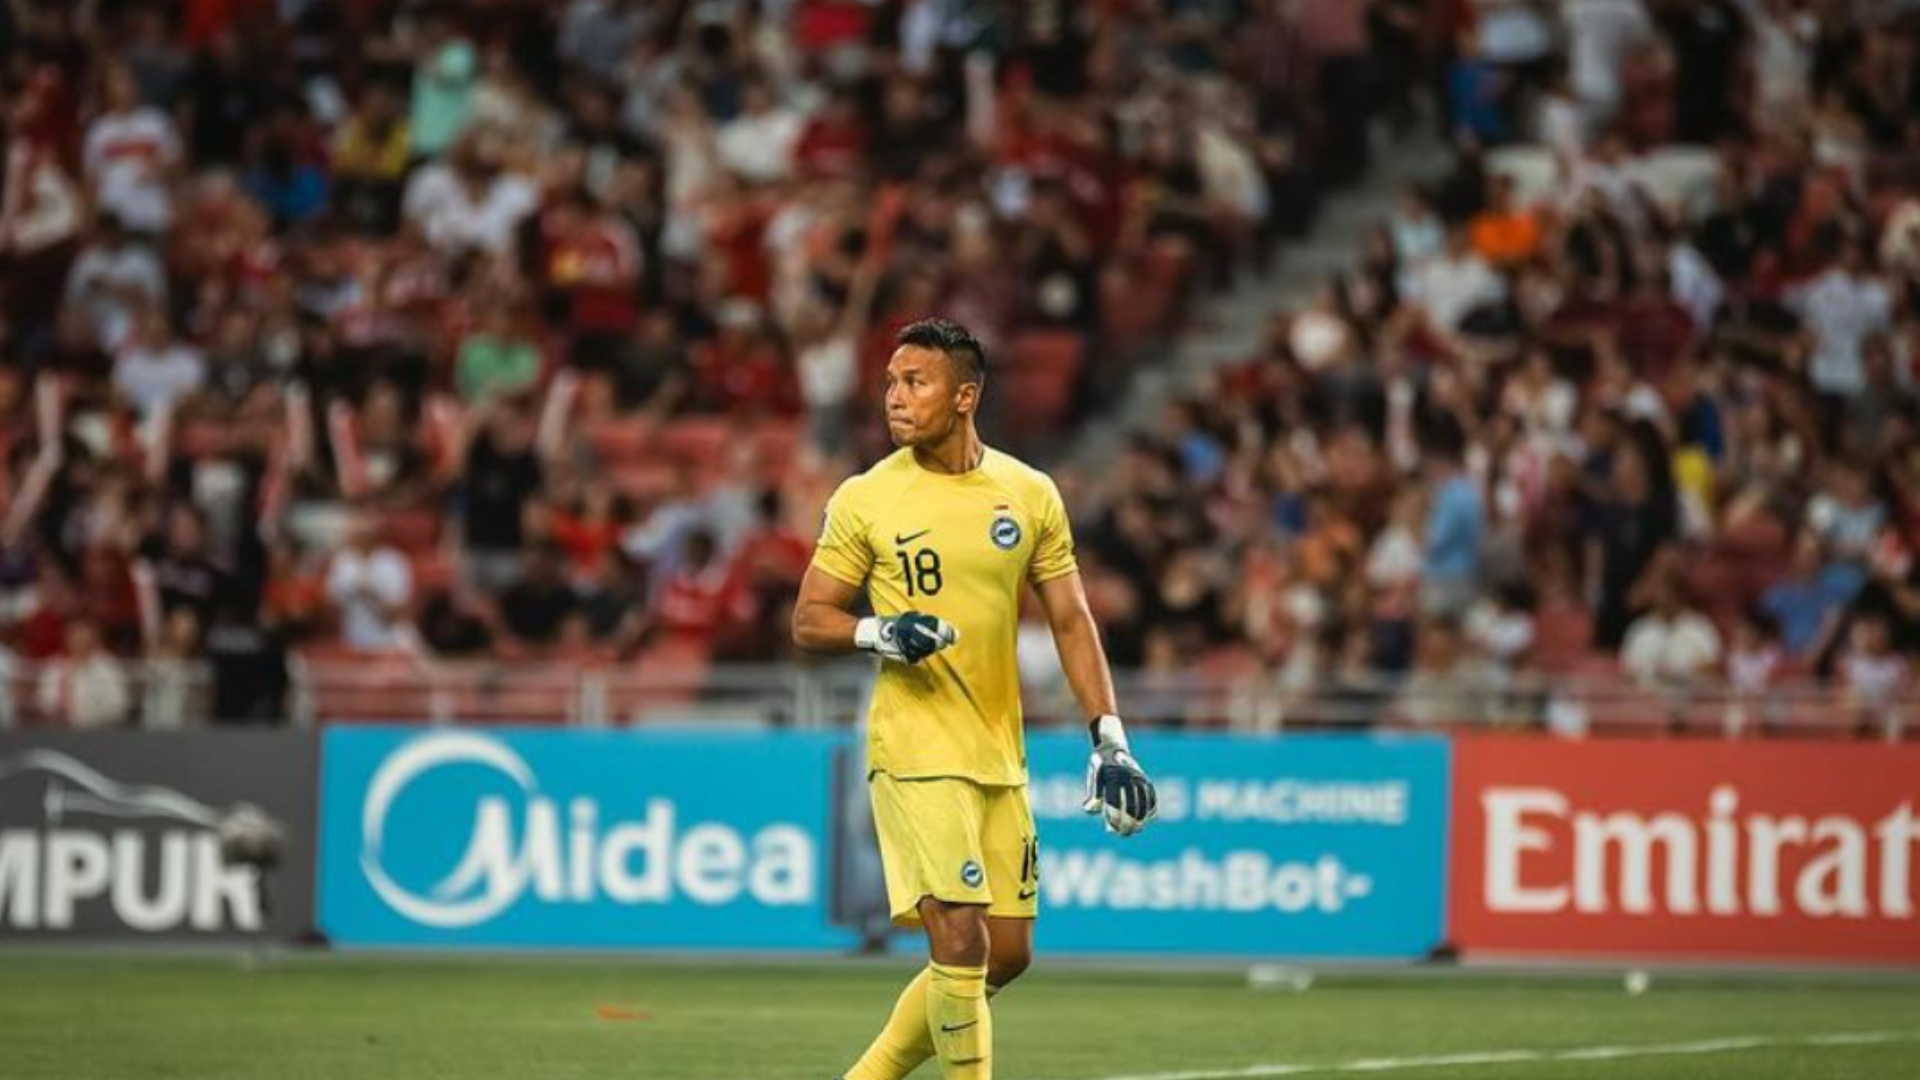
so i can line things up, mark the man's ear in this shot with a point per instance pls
(967, 402)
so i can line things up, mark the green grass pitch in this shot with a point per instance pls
(114, 1017)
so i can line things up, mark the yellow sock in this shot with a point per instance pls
(960, 1022)
(905, 1042)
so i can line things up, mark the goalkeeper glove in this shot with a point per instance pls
(907, 638)
(1116, 784)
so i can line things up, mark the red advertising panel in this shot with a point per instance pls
(1686, 850)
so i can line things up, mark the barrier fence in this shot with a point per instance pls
(1390, 846)
(406, 688)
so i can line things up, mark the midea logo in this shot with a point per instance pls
(643, 860)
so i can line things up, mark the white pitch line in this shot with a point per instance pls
(1519, 1057)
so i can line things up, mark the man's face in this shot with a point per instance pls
(925, 397)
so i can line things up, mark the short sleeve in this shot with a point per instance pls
(341, 576)
(1053, 539)
(843, 551)
(390, 578)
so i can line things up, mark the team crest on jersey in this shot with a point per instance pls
(1005, 533)
(971, 875)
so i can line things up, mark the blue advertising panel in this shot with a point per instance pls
(1327, 846)
(576, 839)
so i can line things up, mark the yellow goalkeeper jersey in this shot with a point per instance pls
(960, 547)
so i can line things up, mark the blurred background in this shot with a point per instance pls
(1420, 367)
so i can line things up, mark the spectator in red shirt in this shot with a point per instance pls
(742, 372)
(589, 527)
(592, 273)
(696, 597)
(834, 141)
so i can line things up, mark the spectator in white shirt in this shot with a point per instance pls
(1393, 562)
(757, 145)
(370, 585)
(1784, 36)
(1846, 516)
(40, 205)
(85, 687)
(1418, 234)
(1674, 646)
(1601, 35)
(1842, 308)
(114, 278)
(1511, 32)
(154, 370)
(1872, 672)
(1453, 283)
(174, 694)
(467, 201)
(131, 153)
(1753, 662)
(1501, 626)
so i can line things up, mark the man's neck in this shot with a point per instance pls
(958, 453)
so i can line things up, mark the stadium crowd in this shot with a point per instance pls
(1631, 394)
(539, 331)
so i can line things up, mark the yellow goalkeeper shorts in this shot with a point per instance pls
(958, 841)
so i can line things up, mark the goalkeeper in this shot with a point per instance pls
(944, 535)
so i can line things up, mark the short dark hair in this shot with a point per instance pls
(968, 355)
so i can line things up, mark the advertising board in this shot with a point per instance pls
(123, 834)
(1684, 849)
(1304, 846)
(575, 839)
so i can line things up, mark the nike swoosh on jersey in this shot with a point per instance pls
(910, 537)
(1027, 894)
(951, 1028)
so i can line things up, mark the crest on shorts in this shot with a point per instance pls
(1005, 533)
(971, 875)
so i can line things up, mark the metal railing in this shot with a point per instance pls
(591, 695)
(410, 688)
(106, 692)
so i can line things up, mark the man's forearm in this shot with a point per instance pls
(1085, 663)
(823, 629)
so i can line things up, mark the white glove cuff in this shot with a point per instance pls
(866, 634)
(1107, 731)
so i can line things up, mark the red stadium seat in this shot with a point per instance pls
(1561, 635)
(204, 439)
(357, 686)
(698, 440)
(775, 444)
(414, 532)
(536, 693)
(646, 481)
(618, 443)
(665, 676)
(432, 573)
(1040, 374)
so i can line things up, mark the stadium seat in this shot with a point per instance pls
(432, 573)
(646, 481)
(1041, 374)
(414, 532)
(776, 442)
(198, 439)
(1561, 636)
(358, 686)
(620, 443)
(667, 675)
(697, 440)
(527, 693)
